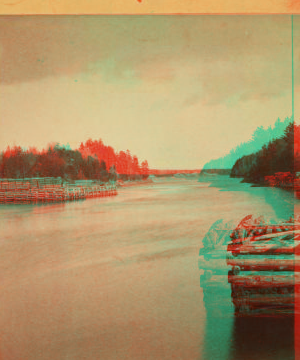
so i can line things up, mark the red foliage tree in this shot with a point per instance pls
(123, 161)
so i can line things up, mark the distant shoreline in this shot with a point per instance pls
(204, 172)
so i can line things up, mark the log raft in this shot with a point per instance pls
(265, 263)
(255, 266)
(39, 190)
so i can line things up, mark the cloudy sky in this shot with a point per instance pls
(175, 90)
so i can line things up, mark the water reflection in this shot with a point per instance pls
(216, 292)
(281, 201)
(219, 315)
(46, 208)
(263, 338)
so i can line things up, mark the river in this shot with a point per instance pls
(118, 278)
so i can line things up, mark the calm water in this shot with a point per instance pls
(118, 278)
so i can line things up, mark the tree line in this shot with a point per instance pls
(280, 155)
(123, 161)
(260, 137)
(93, 160)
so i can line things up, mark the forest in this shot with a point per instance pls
(92, 160)
(280, 156)
(260, 137)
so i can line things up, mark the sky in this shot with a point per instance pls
(175, 90)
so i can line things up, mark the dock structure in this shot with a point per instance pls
(36, 190)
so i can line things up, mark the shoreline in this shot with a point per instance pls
(265, 184)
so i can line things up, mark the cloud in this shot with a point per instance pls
(221, 57)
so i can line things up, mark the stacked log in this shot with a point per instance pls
(264, 262)
(49, 190)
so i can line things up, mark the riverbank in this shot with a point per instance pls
(284, 181)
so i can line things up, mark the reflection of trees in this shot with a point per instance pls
(281, 201)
